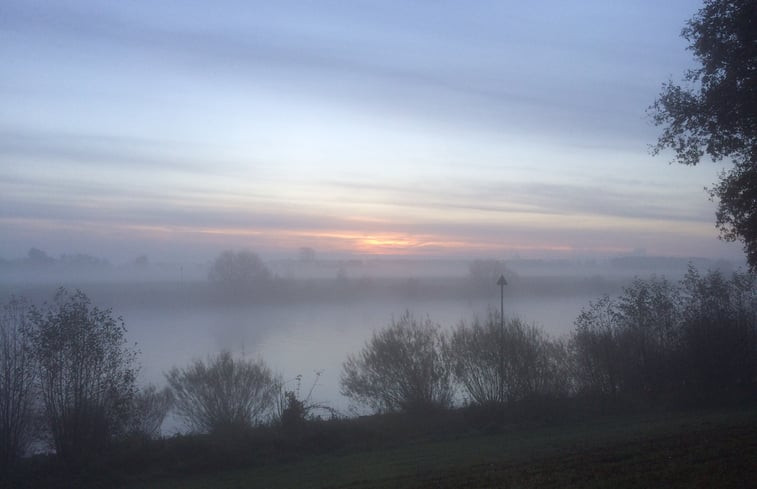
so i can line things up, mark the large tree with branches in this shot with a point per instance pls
(714, 112)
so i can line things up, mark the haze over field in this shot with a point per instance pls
(430, 129)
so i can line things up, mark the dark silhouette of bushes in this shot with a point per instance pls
(663, 342)
(68, 382)
(150, 407)
(718, 335)
(595, 349)
(86, 374)
(224, 394)
(503, 362)
(17, 382)
(401, 368)
(294, 410)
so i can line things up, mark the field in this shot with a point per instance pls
(693, 449)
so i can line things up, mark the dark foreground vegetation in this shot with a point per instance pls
(570, 446)
(492, 401)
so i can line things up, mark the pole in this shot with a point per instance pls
(502, 282)
(502, 308)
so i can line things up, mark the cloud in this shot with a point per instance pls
(630, 200)
(156, 184)
(437, 73)
(95, 149)
(348, 125)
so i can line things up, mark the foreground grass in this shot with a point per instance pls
(695, 449)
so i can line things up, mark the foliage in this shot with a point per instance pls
(149, 408)
(595, 349)
(401, 368)
(223, 395)
(17, 377)
(719, 333)
(660, 341)
(86, 373)
(502, 362)
(629, 344)
(716, 114)
(294, 410)
(648, 313)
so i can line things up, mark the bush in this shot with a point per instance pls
(693, 341)
(86, 374)
(294, 410)
(718, 333)
(17, 377)
(223, 395)
(595, 349)
(402, 368)
(149, 408)
(500, 363)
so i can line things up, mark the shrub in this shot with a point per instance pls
(402, 368)
(86, 374)
(223, 395)
(149, 408)
(17, 377)
(595, 349)
(498, 363)
(294, 410)
(719, 334)
(693, 341)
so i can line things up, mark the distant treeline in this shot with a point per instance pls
(243, 278)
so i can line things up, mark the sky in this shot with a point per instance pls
(178, 129)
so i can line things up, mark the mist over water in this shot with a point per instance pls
(312, 316)
(302, 339)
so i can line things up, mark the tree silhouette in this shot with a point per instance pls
(86, 371)
(401, 368)
(239, 274)
(223, 395)
(499, 363)
(17, 377)
(715, 114)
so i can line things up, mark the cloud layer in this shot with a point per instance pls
(362, 127)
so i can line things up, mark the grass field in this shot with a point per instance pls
(695, 449)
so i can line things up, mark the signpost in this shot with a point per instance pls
(502, 282)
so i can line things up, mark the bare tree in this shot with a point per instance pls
(86, 374)
(223, 395)
(401, 368)
(149, 408)
(497, 362)
(17, 376)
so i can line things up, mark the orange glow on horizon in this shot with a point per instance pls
(343, 241)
